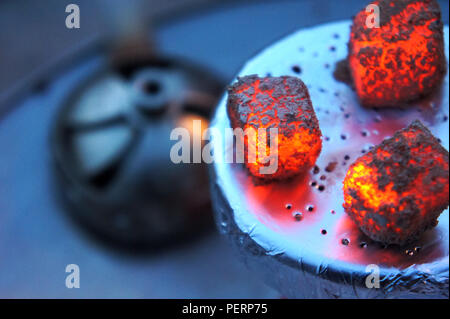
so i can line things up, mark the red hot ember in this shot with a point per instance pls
(398, 190)
(282, 103)
(401, 60)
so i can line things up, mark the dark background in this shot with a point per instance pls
(221, 34)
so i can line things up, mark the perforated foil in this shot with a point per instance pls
(323, 254)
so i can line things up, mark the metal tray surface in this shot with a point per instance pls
(295, 256)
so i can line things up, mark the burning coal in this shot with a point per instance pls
(401, 60)
(282, 103)
(398, 190)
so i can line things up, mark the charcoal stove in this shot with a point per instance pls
(109, 146)
(323, 254)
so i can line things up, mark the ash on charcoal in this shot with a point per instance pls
(398, 189)
(282, 103)
(402, 60)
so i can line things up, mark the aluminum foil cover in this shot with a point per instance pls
(324, 255)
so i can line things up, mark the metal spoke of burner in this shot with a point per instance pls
(99, 124)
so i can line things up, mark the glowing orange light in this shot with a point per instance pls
(398, 190)
(282, 103)
(401, 60)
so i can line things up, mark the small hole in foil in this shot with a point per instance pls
(297, 69)
(298, 216)
(331, 166)
(316, 170)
